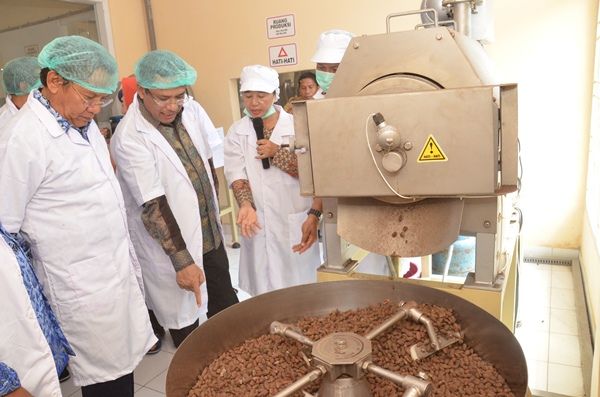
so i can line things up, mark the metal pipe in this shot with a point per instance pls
(386, 324)
(300, 383)
(282, 329)
(150, 24)
(461, 10)
(418, 316)
(414, 386)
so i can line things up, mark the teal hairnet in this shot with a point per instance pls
(162, 69)
(82, 61)
(21, 75)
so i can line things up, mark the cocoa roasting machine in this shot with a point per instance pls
(414, 145)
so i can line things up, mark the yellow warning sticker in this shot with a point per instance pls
(432, 151)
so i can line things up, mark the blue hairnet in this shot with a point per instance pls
(21, 75)
(82, 61)
(162, 69)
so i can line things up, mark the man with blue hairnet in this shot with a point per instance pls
(59, 190)
(164, 164)
(20, 76)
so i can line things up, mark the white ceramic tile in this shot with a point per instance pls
(136, 387)
(537, 372)
(145, 392)
(534, 319)
(534, 344)
(564, 349)
(68, 387)
(76, 393)
(151, 367)
(564, 379)
(562, 268)
(562, 279)
(563, 322)
(531, 299)
(561, 298)
(158, 383)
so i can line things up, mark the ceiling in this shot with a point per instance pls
(17, 13)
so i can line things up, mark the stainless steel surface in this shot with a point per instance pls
(485, 334)
(302, 382)
(414, 386)
(430, 12)
(282, 329)
(400, 230)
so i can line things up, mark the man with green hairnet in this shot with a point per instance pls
(20, 76)
(60, 192)
(164, 165)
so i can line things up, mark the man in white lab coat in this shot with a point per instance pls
(59, 190)
(165, 169)
(331, 47)
(19, 76)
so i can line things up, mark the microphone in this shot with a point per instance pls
(258, 125)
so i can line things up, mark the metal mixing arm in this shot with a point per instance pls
(288, 330)
(414, 386)
(300, 383)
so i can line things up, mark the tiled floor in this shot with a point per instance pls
(548, 329)
(151, 374)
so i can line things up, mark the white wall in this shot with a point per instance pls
(13, 43)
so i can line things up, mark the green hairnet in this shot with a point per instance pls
(21, 75)
(83, 61)
(162, 69)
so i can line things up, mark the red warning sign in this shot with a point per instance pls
(283, 55)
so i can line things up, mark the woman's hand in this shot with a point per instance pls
(265, 148)
(247, 220)
(309, 234)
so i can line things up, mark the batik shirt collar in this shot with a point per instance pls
(64, 123)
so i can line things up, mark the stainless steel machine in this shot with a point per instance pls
(248, 319)
(415, 145)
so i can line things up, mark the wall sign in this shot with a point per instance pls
(283, 55)
(281, 26)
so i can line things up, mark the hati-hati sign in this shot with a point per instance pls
(283, 55)
(281, 26)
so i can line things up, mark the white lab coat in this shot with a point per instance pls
(7, 111)
(61, 192)
(23, 346)
(148, 167)
(266, 260)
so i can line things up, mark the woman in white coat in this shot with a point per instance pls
(279, 227)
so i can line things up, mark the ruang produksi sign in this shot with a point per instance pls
(281, 26)
(283, 54)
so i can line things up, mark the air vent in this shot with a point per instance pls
(548, 261)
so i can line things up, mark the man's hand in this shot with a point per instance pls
(309, 234)
(191, 278)
(265, 148)
(20, 392)
(247, 220)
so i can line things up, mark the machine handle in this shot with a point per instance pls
(401, 14)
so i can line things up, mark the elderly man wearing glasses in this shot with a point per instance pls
(60, 193)
(164, 164)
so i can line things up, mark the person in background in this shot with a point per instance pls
(33, 348)
(60, 192)
(127, 92)
(20, 76)
(307, 87)
(331, 47)
(275, 221)
(164, 165)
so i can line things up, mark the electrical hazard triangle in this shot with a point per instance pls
(432, 151)
(282, 53)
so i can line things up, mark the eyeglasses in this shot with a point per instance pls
(178, 100)
(103, 102)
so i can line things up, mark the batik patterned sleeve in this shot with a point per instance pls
(242, 192)
(9, 380)
(213, 171)
(286, 161)
(161, 225)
